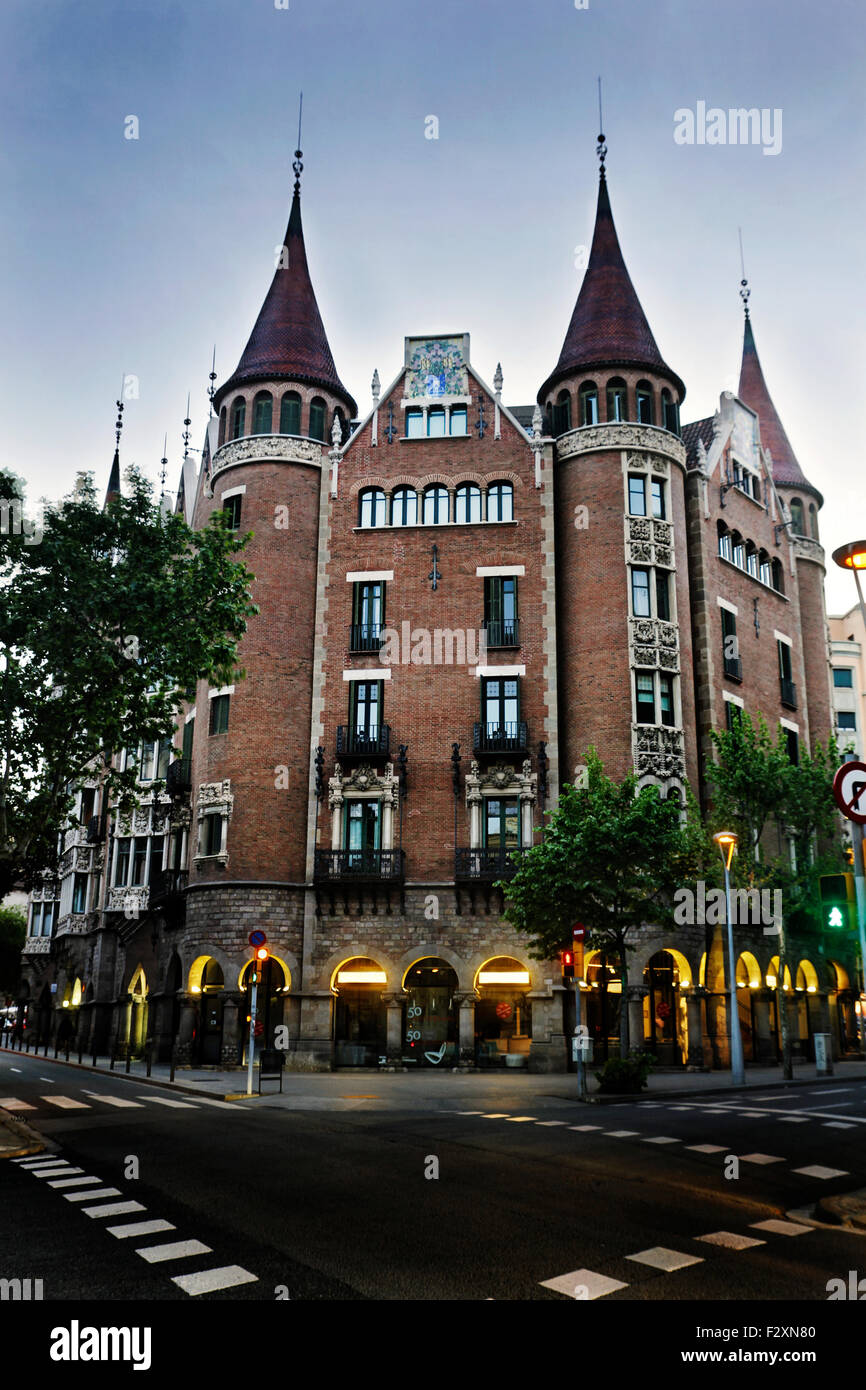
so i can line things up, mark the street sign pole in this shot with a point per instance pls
(857, 844)
(580, 1032)
(251, 1045)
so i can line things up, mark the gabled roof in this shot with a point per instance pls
(753, 390)
(698, 430)
(289, 341)
(608, 326)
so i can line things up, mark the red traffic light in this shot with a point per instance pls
(262, 953)
(567, 958)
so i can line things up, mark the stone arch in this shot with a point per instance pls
(640, 956)
(245, 965)
(435, 950)
(365, 950)
(206, 952)
(477, 963)
(747, 967)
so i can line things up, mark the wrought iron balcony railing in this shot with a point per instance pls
(788, 693)
(733, 668)
(500, 738)
(503, 632)
(178, 777)
(353, 742)
(167, 883)
(487, 865)
(359, 865)
(365, 637)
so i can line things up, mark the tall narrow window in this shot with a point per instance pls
(663, 596)
(637, 494)
(617, 410)
(500, 610)
(188, 734)
(373, 507)
(365, 708)
(645, 704)
(318, 411)
(797, 517)
(765, 572)
(725, 549)
(368, 615)
(813, 521)
(361, 832)
(436, 506)
(467, 503)
(670, 413)
(436, 421)
(146, 761)
(458, 420)
(290, 413)
(404, 507)
(501, 823)
(219, 714)
(79, 893)
(562, 413)
(792, 742)
(414, 424)
(788, 690)
(222, 433)
(163, 758)
(644, 399)
(751, 560)
(739, 550)
(666, 699)
(588, 399)
(657, 487)
(733, 715)
(232, 511)
(263, 412)
(500, 712)
(212, 834)
(500, 502)
(640, 593)
(239, 415)
(778, 576)
(730, 646)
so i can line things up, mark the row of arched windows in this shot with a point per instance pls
(435, 506)
(798, 518)
(745, 555)
(233, 418)
(615, 400)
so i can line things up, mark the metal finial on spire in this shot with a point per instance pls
(744, 284)
(212, 376)
(186, 424)
(118, 424)
(163, 465)
(297, 165)
(601, 148)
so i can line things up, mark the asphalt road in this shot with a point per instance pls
(331, 1194)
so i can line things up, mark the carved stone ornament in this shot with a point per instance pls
(658, 751)
(640, 552)
(664, 557)
(500, 777)
(594, 438)
(662, 532)
(364, 779)
(639, 528)
(266, 446)
(215, 794)
(807, 549)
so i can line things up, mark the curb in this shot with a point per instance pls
(28, 1141)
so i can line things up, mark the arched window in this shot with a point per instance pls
(263, 412)
(813, 521)
(404, 507)
(467, 503)
(222, 434)
(765, 569)
(561, 417)
(436, 505)
(317, 418)
(644, 398)
(617, 401)
(588, 398)
(290, 413)
(373, 509)
(725, 542)
(797, 518)
(751, 559)
(778, 577)
(239, 417)
(670, 412)
(739, 550)
(500, 502)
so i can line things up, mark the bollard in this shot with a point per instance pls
(111, 1063)
(149, 1058)
(94, 1055)
(80, 1050)
(128, 1058)
(171, 1070)
(67, 1049)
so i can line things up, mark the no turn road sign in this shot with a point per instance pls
(849, 789)
(257, 938)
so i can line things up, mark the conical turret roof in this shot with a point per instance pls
(608, 326)
(753, 391)
(289, 341)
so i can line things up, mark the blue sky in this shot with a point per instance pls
(136, 256)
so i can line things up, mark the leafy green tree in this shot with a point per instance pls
(107, 616)
(13, 929)
(610, 859)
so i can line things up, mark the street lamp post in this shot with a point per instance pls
(853, 557)
(727, 843)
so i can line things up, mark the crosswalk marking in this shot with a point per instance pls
(469, 1112)
(113, 1209)
(793, 1119)
(177, 1250)
(706, 1148)
(760, 1158)
(114, 1100)
(662, 1139)
(29, 1164)
(583, 1284)
(175, 1104)
(61, 1171)
(836, 1124)
(548, 1124)
(520, 1119)
(93, 1194)
(620, 1133)
(816, 1170)
(65, 1102)
(209, 1280)
(780, 1228)
(584, 1129)
(10, 1103)
(731, 1240)
(139, 1228)
(658, 1257)
(72, 1182)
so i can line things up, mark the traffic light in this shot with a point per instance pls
(838, 902)
(262, 954)
(567, 958)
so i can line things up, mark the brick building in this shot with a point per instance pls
(457, 599)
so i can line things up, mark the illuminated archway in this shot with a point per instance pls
(136, 1012)
(749, 980)
(431, 1029)
(360, 1016)
(773, 975)
(748, 971)
(205, 974)
(667, 975)
(502, 1012)
(807, 978)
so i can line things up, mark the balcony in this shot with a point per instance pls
(96, 830)
(365, 637)
(363, 743)
(166, 892)
(734, 668)
(500, 738)
(503, 632)
(486, 865)
(788, 693)
(359, 866)
(178, 777)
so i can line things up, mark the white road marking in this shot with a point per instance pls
(837, 1124)
(114, 1100)
(93, 1194)
(706, 1148)
(815, 1170)
(760, 1158)
(209, 1280)
(583, 1284)
(63, 1171)
(550, 1123)
(72, 1182)
(780, 1228)
(658, 1257)
(18, 1069)
(755, 1114)
(730, 1240)
(30, 1163)
(520, 1119)
(498, 1115)
(65, 1102)
(50, 1081)
(178, 1250)
(221, 1104)
(10, 1103)
(662, 1139)
(175, 1104)
(113, 1209)
(793, 1119)
(468, 1112)
(621, 1133)
(139, 1228)
(584, 1129)
(834, 1091)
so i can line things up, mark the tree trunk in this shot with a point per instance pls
(782, 1007)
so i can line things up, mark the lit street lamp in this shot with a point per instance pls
(727, 843)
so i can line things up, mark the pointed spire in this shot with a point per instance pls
(753, 391)
(113, 489)
(289, 341)
(608, 326)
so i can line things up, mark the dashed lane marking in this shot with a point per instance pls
(113, 1209)
(834, 1091)
(65, 1102)
(836, 1124)
(793, 1119)
(496, 1116)
(210, 1280)
(584, 1129)
(780, 1228)
(731, 1240)
(49, 1079)
(93, 1194)
(550, 1123)
(760, 1158)
(816, 1170)
(583, 1284)
(468, 1112)
(177, 1250)
(139, 1228)
(658, 1257)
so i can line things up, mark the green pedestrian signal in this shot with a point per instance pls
(835, 918)
(838, 901)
